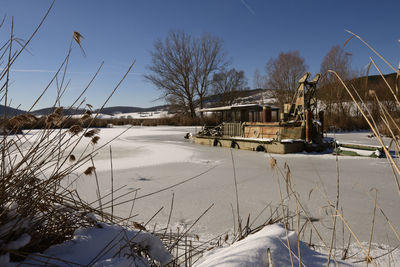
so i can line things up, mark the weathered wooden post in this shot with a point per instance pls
(308, 125)
(264, 114)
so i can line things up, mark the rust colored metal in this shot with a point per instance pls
(252, 125)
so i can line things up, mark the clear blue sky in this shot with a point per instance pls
(120, 31)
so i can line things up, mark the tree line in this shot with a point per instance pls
(187, 69)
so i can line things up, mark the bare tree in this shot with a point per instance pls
(332, 92)
(182, 66)
(208, 58)
(259, 80)
(283, 74)
(227, 84)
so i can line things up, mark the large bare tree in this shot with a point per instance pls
(332, 91)
(182, 67)
(227, 84)
(283, 74)
(209, 58)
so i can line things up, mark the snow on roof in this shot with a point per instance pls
(233, 107)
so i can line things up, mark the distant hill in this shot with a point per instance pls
(66, 111)
(377, 79)
(127, 109)
(107, 110)
(10, 111)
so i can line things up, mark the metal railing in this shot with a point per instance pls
(232, 129)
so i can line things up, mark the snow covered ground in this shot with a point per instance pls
(150, 159)
(102, 245)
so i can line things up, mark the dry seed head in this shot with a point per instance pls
(95, 139)
(50, 119)
(58, 110)
(91, 133)
(371, 92)
(54, 119)
(85, 117)
(32, 117)
(369, 259)
(75, 129)
(89, 170)
(17, 121)
(26, 118)
(226, 237)
(272, 163)
(77, 37)
(138, 226)
(72, 158)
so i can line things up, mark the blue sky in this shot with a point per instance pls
(117, 32)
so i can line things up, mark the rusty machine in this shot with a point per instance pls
(264, 128)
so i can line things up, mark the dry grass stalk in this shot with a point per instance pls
(32, 170)
(340, 215)
(239, 220)
(375, 131)
(386, 82)
(285, 223)
(309, 219)
(369, 258)
(269, 258)
(372, 49)
(272, 163)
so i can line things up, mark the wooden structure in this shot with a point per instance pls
(244, 113)
(264, 128)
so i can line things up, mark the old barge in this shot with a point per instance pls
(264, 128)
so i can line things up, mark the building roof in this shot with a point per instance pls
(253, 107)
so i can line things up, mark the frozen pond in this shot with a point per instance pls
(154, 158)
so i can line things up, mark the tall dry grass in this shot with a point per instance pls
(37, 210)
(338, 239)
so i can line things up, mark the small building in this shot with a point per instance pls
(243, 113)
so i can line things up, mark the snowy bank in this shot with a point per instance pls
(104, 245)
(252, 251)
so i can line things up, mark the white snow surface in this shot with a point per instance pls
(102, 245)
(149, 159)
(252, 251)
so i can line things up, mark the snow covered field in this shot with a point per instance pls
(151, 159)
